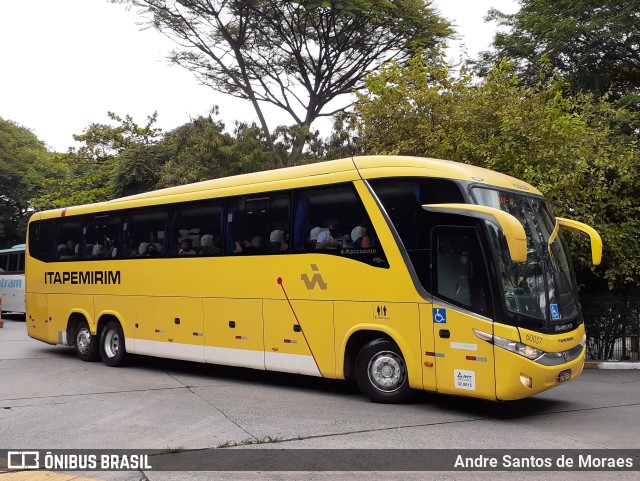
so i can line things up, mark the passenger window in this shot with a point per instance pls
(67, 239)
(197, 229)
(101, 235)
(333, 220)
(13, 263)
(42, 240)
(144, 233)
(460, 275)
(3, 262)
(258, 224)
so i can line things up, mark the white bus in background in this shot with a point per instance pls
(12, 279)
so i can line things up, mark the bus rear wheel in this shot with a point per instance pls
(112, 349)
(381, 372)
(86, 344)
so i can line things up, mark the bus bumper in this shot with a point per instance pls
(514, 375)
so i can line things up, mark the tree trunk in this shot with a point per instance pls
(300, 140)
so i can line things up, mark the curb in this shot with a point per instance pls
(611, 365)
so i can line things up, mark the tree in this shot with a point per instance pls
(297, 55)
(24, 164)
(201, 150)
(563, 144)
(92, 166)
(594, 44)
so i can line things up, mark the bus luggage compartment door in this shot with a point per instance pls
(299, 337)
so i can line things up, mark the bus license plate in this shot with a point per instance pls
(564, 375)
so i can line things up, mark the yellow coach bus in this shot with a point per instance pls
(399, 272)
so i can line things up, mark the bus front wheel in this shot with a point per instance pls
(381, 372)
(112, 349)
(86, 345)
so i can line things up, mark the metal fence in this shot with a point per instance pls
(612, 321)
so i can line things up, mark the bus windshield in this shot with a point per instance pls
(543, 287)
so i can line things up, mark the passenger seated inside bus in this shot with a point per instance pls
(67, 251)
(278, 241)
(313, 236)
(101, 251)
(360, 237)
(257, 245)
(241, 246)
(327, 239)
(149, 249)
(210, 245)
(186, 249)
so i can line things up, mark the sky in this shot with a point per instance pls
(65, 63)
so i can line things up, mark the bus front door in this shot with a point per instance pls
(461, 306)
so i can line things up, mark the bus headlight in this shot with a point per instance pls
(583, 341)
(524, 350)
(530, 352)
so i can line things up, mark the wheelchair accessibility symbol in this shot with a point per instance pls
(439, 315)
(555, 313)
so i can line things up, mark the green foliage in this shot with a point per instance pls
(24, 164)
(200, 150)
(85, 183)
(97, 170)
(127, 158)
(609, 317)
(595, 44)
(297, 55)
(101, 142)
(563, 144)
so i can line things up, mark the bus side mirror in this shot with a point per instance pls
(575, 226)
(508, 224)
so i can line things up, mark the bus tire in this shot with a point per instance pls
(86, 344)
(112, 348)
(381, 372)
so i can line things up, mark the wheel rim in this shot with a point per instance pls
(83, 340)
(387, 371)
(111, 343)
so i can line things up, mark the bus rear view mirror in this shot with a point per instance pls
(575, 226)
(508, 224)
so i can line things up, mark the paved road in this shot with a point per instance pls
(50, 399)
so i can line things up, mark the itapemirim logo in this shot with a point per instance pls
(316, 280)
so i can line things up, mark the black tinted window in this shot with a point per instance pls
(460, 275)
(197, 229)
(402, 199)
(258, 224)
(101, 236)
(42, 240)
(144, 232)
(333, 220)
(68, 238)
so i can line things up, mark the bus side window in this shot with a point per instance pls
(143, 232)
(335, 219)
(460, 273)
(42, 238)
(258, 225)
(101, 235)
(199, 224)
(68, 239)
(13, 262)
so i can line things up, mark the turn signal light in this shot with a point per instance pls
(526, 381)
